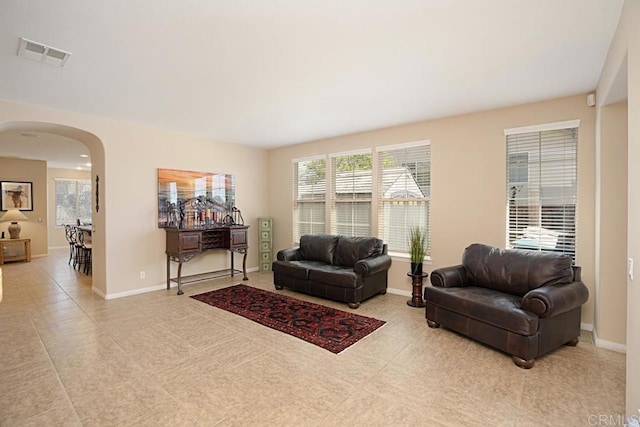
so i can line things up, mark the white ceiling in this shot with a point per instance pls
(278, 72)
(57, 151)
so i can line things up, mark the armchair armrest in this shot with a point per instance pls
(289, 254)
(450, 277)
(369, 266)
(551, 300)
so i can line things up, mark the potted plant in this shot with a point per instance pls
(417, 248)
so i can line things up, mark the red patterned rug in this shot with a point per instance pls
(323, 326)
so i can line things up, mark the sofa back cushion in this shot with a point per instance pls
(352, 249)
(515, 272)
(318, 247)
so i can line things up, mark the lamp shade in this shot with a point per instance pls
(13, 215)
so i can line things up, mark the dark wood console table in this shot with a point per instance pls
(185, 244)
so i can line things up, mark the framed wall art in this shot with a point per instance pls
(16, 195)
(188, 199)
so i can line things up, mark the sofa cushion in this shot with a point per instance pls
(486, 305)
(350, 250)
(318, 247)
(515, 272)
(295, 269)
(335, 275)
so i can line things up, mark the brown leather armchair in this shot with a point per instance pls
(525, 303)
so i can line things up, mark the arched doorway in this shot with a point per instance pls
(96, 150)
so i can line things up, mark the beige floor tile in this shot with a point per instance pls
(72, 358)
(366, 409)
(548, 413)
(165, 413)
(40, 395)
(121, 403)
(62, 415)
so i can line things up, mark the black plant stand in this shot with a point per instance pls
(416, 296)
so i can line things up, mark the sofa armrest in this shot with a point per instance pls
(450, 277)
(289, 254)
(369, 266)
(551, 300)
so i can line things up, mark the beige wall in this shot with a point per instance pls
(131, 155)
(468, 180)
(56, 234)
(35, 227)
(611, 285)
(626, 47)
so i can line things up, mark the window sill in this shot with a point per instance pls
(405, 257)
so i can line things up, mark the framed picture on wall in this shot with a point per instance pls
(16, 195)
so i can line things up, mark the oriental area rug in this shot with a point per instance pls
(326, 327)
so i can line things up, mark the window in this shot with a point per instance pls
(384, 200)
(542, 188)
(351, 188)
(518, 168)
(309, 184)
(404, 172)
(73, 201)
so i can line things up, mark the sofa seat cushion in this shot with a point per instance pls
(296, 269)
(335, 275)
(486, 305)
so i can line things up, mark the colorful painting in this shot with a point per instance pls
(16, 195)
(189, 199)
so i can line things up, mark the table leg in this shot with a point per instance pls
(168, 272)
(180, 276)
(27, 250)
(244, 265)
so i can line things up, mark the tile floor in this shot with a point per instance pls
(69, 358)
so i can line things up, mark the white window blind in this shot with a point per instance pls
(351, 188)
(73, 201)
(309, 184)
(542, 190)
(404, 193)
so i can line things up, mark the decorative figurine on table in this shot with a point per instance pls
(181, 207)
(237, 216)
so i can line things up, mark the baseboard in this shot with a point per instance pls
(98, 292)
(149, 288)
(609, 345)
(586, 326)
(137, 291)
(395, 291)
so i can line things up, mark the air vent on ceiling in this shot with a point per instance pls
(43, 53)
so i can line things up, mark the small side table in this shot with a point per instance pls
(24, 256)
(416, 296)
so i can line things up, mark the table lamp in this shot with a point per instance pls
(13, 215)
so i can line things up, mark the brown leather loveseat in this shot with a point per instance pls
(525, 303)
(347, 269)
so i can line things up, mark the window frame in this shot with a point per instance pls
(296, 232)
(381, 200)
(77, 182)
(552, 224)
(375, 199)
(334, 200)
